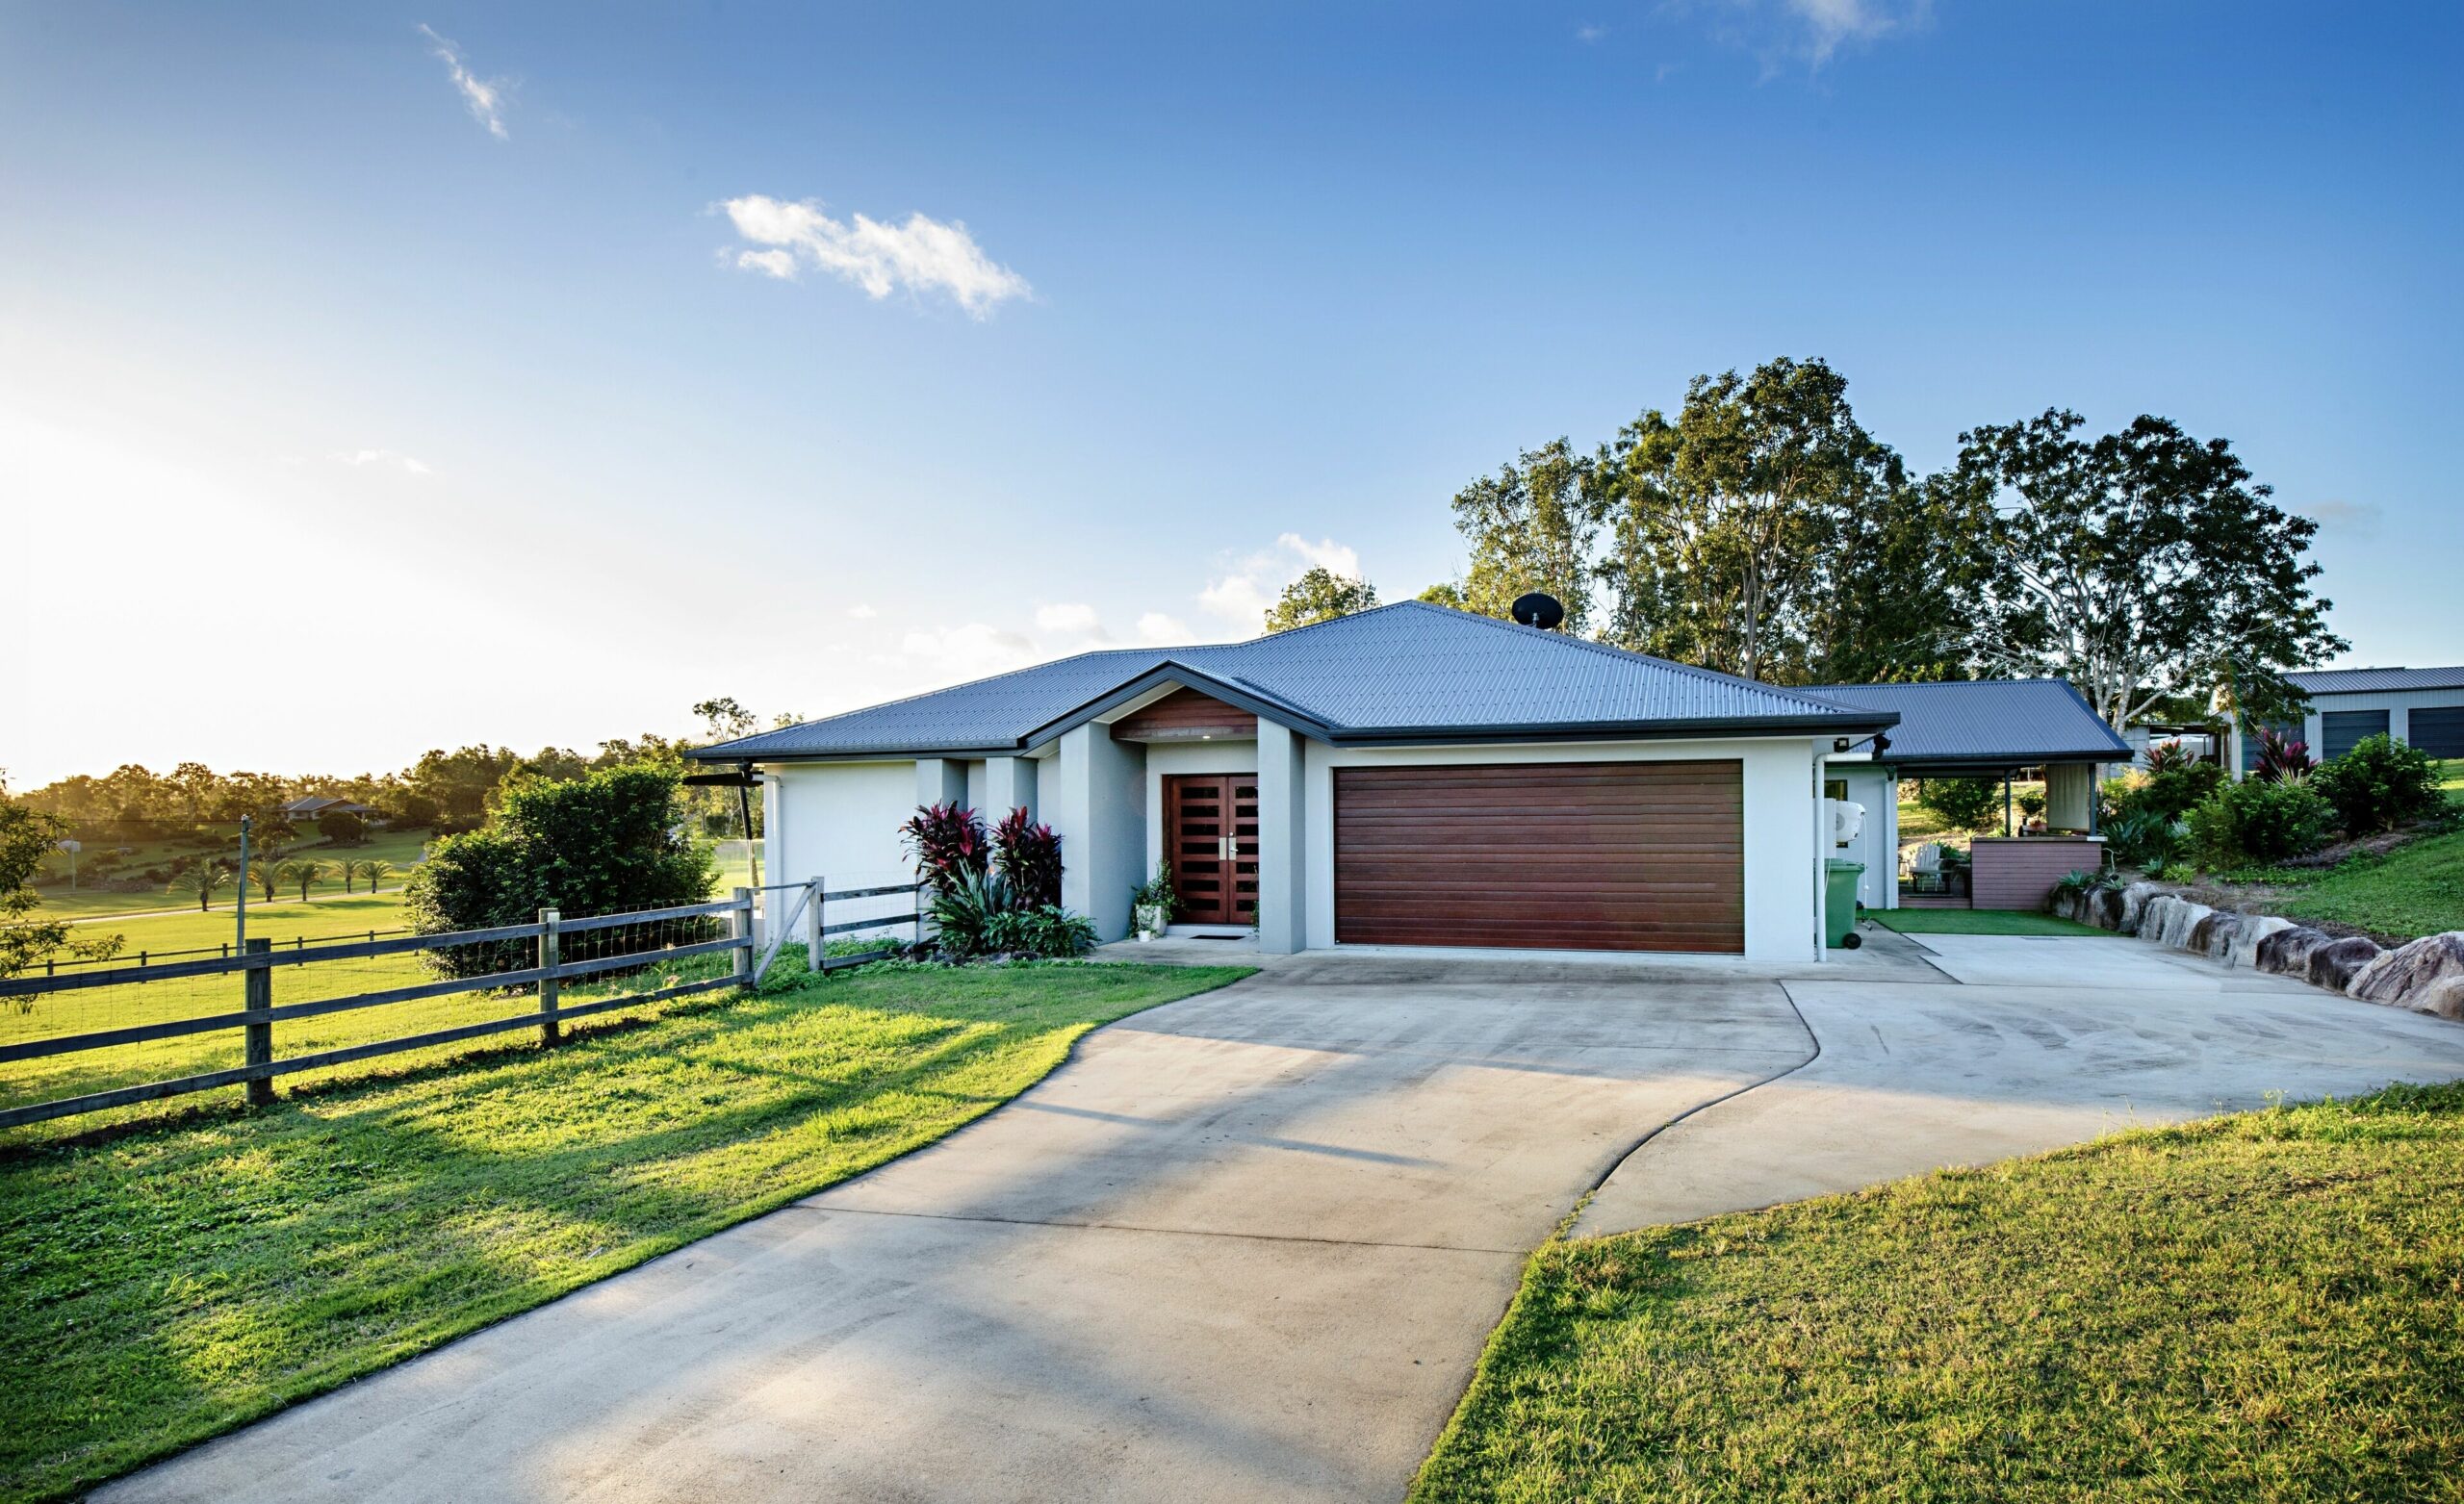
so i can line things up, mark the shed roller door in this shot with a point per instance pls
(1579, 855)
(2438, 730)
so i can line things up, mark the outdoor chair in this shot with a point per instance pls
(1925, 870)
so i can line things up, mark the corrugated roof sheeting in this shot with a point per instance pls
(2014, 721)
(1410, 666)
(2372, 681)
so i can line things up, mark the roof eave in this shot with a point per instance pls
(1620, 731)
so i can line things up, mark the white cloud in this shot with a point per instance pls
(1155, 629)
(863, 613)
(1808, 31)
(484, 95)
(1075, 619)
(389, 458)
(1245, 594)
(1587, 34)
(971, 651)
(923, 255)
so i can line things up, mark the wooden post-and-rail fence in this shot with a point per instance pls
(259, 1014)
(549, 935)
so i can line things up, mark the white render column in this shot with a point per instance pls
(1095, 798)
(1283, 912)
(1009, 783)
(941, 781)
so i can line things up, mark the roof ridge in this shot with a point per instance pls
(1627, 654)
(927, 694)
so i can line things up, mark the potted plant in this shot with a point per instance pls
(1152, 902)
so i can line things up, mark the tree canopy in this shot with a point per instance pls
(1763, 531)
(2142, 565)
(1320, 595)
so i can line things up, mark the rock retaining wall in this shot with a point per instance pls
(2426, 976)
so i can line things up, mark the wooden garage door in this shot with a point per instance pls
(1572, 856)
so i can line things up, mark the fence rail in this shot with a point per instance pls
(538, 986)
(54, 964)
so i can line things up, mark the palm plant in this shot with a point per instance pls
(204, 878)
(263, 871)
(374, 869)
(301, 875)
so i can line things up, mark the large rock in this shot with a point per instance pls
(2253, 933)
(2170, 921)
(2407, 975)
(2104, 908)
(2444, 997)
(2334, 965)
(2287, 951)
(2135, 900)
(2212, 935)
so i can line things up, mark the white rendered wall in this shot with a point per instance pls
(1781, 857)
(1094, 797)
(1009, 783)
(1283, 840)
(839, 821)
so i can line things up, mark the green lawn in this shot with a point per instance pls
(2268, 1306)
(168, 1282)
(402, 849)
(1976, 921)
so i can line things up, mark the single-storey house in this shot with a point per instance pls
(1413, 776)
(2423, 706)
(309, 806)
(1981, 729)
(1409, 776)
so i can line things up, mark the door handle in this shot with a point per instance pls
(1227, 848)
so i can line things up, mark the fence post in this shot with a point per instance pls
(551, 955)
(740, 928)
(260, 1035)
(815, 942)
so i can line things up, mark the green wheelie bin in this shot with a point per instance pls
(1839, 904)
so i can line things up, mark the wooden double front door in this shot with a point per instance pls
(1211, 839)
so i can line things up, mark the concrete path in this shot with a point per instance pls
(1248, 1245)
(2030, 1044)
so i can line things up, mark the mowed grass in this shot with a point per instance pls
(402, 849)
(1977, 921)
(2414, 890)
(89, 1009)
(2267, 1306)
(163, 1284)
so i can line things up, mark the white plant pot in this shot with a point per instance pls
(1148, 920)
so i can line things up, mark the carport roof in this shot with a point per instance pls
(1409, 672)
(1986, 723)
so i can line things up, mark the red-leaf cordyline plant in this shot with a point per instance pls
(948, 844)
(2281, 757)
(1029, 856)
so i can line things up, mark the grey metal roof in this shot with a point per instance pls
(1410, 671)
(2365, 681)
(2005, 722)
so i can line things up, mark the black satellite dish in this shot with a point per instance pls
(1538, 610)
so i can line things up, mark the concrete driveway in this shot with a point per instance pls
(1248, 1245)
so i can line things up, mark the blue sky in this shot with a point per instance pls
(373, 378)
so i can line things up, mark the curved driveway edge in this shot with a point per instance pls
(2033, 1043)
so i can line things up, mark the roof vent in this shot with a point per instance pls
(1538, 610)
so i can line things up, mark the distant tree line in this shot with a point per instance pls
(1763, 531)
(444, 791)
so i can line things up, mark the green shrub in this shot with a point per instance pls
(2030, 801)
(2143, 838)
(606, 843)
(1962, 803)
(968, 911)
(1047, 929)
(2174, 789)
(2253, 823)
(2379, 785)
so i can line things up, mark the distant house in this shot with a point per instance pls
(2423, 706)
(310, 807)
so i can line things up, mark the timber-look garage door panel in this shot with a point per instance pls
(1570, 856)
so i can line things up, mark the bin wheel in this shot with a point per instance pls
(1851, 940)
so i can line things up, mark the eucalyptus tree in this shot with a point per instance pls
(1533, 525)
(2142, 565)
(1728, 518)
(1321, 595)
